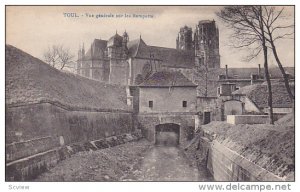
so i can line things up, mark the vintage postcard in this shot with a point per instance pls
(150, 93)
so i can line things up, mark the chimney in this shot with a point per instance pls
(226, 71)
(259, 71)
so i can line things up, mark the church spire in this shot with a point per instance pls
(125, 36)
(83, 51)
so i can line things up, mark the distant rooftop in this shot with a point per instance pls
(171, 57)
(245, 73)
(167, 79)
(139, 49)
(206, 21)
(258, 94)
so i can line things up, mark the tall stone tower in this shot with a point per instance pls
(206, 44)
(118, 53)
(81, 53)
(124, 44)
(184, 40)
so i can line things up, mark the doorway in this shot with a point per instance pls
(206, 117)
(167, 134)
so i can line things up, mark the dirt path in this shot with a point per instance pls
(163, 163)
(135, 161)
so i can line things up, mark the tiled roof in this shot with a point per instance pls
(135, 46)
(115, 40)
(174, 57)
(97, 47)
(170, 57)
(99, 44)
(237, 75)
(167, 79)
(258, 94)
(139, 49)
(205, 21)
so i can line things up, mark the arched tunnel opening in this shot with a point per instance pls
(167, 134)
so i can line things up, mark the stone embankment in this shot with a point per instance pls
(30, 167)
(246, 152)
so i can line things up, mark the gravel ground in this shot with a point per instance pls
(119, 163)
(134, 161)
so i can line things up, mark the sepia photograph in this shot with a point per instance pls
(150, 93)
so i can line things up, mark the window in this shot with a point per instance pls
(254, 77)
(222, 77)
(184, 103)
(151, 104)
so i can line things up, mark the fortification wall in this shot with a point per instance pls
(245, 152)
(38, 134)
(247, 119)
(227, 165)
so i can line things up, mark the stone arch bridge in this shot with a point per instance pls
(167, 128)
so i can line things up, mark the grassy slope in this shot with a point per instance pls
(269, 146)
(30, 80)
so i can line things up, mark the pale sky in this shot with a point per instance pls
(34, 28)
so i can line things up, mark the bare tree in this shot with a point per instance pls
(248, 31)
(259, 16)
(64, 56)
(58, 54)
(51, 55)
(48, 56)
(276, 31)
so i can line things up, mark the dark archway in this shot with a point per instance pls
(206, 117)
(167, 134)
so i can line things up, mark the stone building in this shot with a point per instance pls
(120, 61)
(184, 40)
(209, 109)
(165, 104)
(205, 43)
(105, 61)
(255, 98)
(129, 62)
(250, 99)
(218, 107)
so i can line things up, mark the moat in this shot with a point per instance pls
(167, 163)
(135, 161)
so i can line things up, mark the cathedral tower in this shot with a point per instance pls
(206, 44)
(184, 40)
(81, 54)
(124, 44)
(118, 54)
